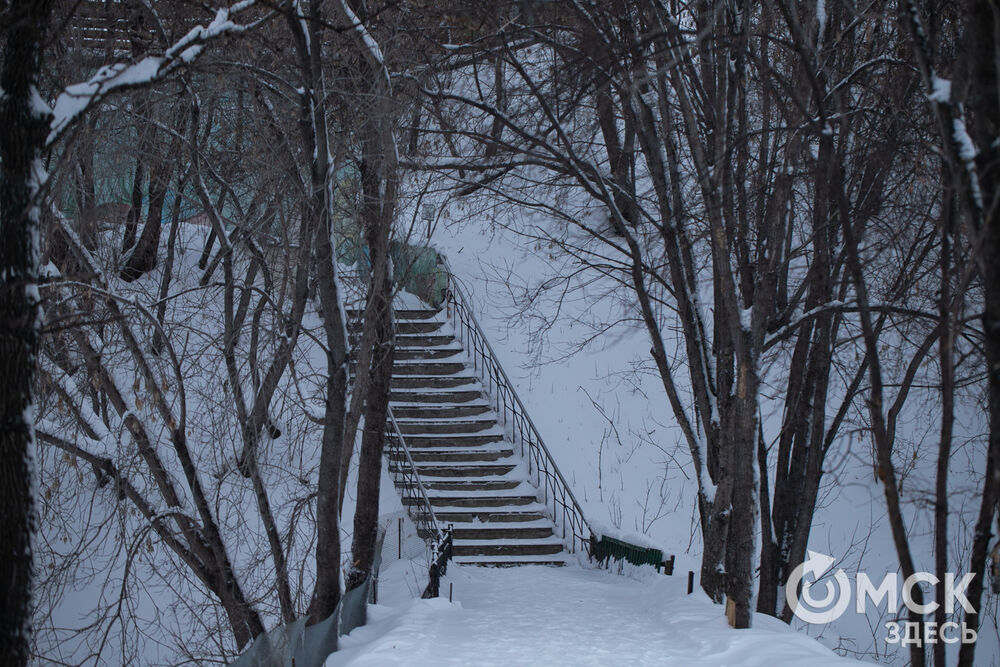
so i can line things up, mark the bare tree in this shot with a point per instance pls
(730, 154)
(24, 26)
(967, 118)
(268, 247)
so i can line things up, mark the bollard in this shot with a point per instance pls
(450, 585)
(690, 582)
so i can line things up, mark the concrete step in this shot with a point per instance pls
(431, 411)
(557, 560)
(462, 470)
(400, 313)
(457, 441)
(428, 368)
(431, 381)
(503, 548)
(423, 340)
(480, 501)
(464, 455)
(418, 326)
(429, 427)
(470, 485)
(486, 515)
(417, 396)
(513, 532)
(409, 339)
(405, 327)
(418, 354)
(425, 353)
(476, 501)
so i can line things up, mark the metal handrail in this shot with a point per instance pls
(408, 479)
(439, 565)
(548, 477)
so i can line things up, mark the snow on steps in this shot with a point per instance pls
(417, 441)
(461, 453)
(436, 397)
(430, 381)
(552, 560)
(460, 469)
(481, 484)
(451, 426)
(440, 411)
(479, 500)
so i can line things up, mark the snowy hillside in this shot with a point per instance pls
(592, 392)
(569, 616)
(294, 289)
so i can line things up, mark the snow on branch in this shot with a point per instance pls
(77, 99)
(373, 54)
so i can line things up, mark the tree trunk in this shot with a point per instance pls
(380, 187)
(372, 443)
(134, 213)
(946, 342)
(20, 147)
(378, 182)
(740, 544)
(143, 257)
(313, 110)
(983, 25)
(327, 592)
(168, 267)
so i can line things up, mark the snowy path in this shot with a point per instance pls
(569, 616)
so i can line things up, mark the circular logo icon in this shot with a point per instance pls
(811, 609)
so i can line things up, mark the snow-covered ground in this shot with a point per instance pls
(579, 358)
(569, 616)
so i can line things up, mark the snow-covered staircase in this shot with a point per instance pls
(465, 462)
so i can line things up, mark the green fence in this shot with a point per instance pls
(606, 549)
(416, 269)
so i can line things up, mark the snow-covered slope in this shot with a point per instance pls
(581, 363)
(569, 616)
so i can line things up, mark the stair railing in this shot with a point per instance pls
(414, 494)
(439, 566)
(557, 496)
(407, 480)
